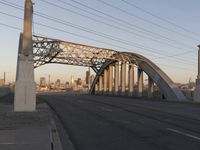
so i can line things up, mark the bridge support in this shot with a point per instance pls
(110, 79)
(131, 79)
(140, 82)
(150, 87)
(197, 89)
(123, 78)
(100, 84)
(105, 81)
(96, 88)
(116, 78)
(25, 97)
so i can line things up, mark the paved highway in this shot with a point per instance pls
(116, 123)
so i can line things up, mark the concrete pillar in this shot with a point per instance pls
(197, 89)
(123, 78)
(131, 80)
(150, 87)
(140, 82)
(89, 79)
(96, 88)
(111, 79)
(105, 81)
(100, 84)
(25, 96)
(116, 78)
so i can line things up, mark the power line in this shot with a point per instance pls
(124, 22)
(19, 29)
(9, 26)
(160, 18)
(110, 37)
(114, 26)
(85, 29)
(105, 23)
(145, 20)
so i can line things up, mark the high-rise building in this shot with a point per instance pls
(87, 77)
(72, 80)
(79, 81)
(57, 84)
(42, 82)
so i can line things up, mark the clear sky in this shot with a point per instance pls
(157, 39)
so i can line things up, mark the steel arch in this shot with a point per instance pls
(48, 50)
(165, 84)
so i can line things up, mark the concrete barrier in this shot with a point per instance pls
(4, 90)
(189, 94)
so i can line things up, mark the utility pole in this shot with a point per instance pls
(197, 89)
(25, 96)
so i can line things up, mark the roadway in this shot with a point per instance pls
(116, 123)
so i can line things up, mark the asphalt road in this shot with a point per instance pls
(115, 123)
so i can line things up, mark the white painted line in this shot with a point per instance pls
(7, 143)
(183, 133)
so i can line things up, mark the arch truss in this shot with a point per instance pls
(110, 67)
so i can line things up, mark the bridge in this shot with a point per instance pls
(111, 116)
(109, 65)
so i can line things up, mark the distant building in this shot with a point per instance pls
(43, 82)
(57, 84)
(87, 77)
(72, 80)
(79, 81)
(2, 82)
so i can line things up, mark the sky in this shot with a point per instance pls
(165, 31)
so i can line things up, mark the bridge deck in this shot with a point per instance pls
(114, 123)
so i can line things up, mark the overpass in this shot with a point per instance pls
(109, 65)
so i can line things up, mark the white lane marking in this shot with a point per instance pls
(106, 109)
(7, 143)
(183, 133)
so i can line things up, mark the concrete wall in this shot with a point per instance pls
(4, 90)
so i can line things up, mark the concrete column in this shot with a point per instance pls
(25, 96)
(116, 78)
(140, 82)
(197, 89)
(111, 79)
(100, 84)
(89, 79)
(96, 88)
(131, 79)
(123, 78)
(150, 87)
(105, 81)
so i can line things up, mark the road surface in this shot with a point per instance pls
(116, 123)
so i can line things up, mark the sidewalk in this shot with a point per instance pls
(28, 130)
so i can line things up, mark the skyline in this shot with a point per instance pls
(179, 72)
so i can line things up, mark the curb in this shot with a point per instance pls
(59, 131)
